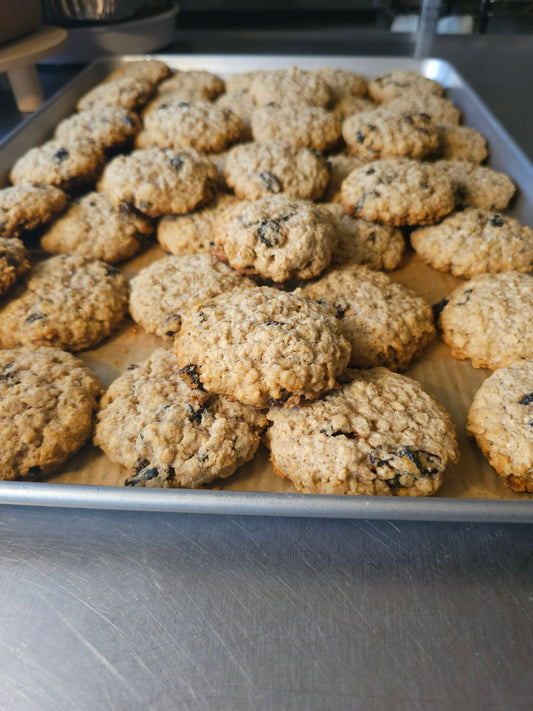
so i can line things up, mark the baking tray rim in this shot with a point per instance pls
(264, 503)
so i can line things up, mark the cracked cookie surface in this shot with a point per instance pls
(170, 435)
(380, 434)
(47, 401)
(262, 346)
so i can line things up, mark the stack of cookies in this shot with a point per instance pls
(281, 199)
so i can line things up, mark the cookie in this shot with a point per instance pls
(242, 104)
(478, 186)
(388, 86)
(68, 302)
(278, 238)
(262, 347)
(241, 81)
(203, 126)
(193, 233)
(107, 126)
(199, 81)
(398, 191)
(130, 93)
(381, 434)
(349, 105)
(64, 164)
(379, 134)
(385, 323)
(461, 143)
(300, 124)
(501, 420)
(161, 292)
(475, 241)
(378, 247)
(159, 181)
(489, 319)
(26, 206)
(340, 166)
(153, 70)
(92, 227)
(439, 109)
(47, 401)
(342, 83)
(13, 262)
(292, 85)
(169, 435)
(256, 170)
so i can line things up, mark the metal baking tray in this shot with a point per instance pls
(472, 490)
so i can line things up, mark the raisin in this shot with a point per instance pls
(191, 377)
(172, 324)
(183, 104)
(497, 221)
(274, 323)
(202, 457)
(341, 310)
(269, 232)
(202, 316)
(35, 317)
(132, 366)
(391, 463)
(527, 399)
(438, 307)
(339, 433)
(408, 120)
(145, 205)
(466, 294)
(111, 271)
(360, 136)
(60, 155)
(8, 376)
(177, 162)
(370, 171)
(271, 182)
(35, 470)
(195, 415)
(424, 185)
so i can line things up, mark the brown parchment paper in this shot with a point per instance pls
(452, 382)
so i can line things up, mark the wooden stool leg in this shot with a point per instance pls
(26, 87)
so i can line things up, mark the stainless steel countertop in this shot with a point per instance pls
(130, 610)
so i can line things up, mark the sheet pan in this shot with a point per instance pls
(472, 490)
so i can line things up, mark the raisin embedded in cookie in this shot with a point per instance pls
(193, 233)
(129, 92)
(161, 292)
(93, 228)
(381, 434)
(398, 191)
(489, 319)
(292, 85)
(68, 301)
(475, 241)
(385, 323)
(300, 124)
(13, 262)
(47, 401)
(65, 164)
(501, 420)
(23, 207)
(461, 143)
(256, 170)
(388, 86)
(278, 238)
(159, 181)
(378, 247)
(204, 126)
(478, 186)
(107, 126)
(262, 346)
(378, 134)
(170, 435)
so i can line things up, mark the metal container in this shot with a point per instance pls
(472, 491)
